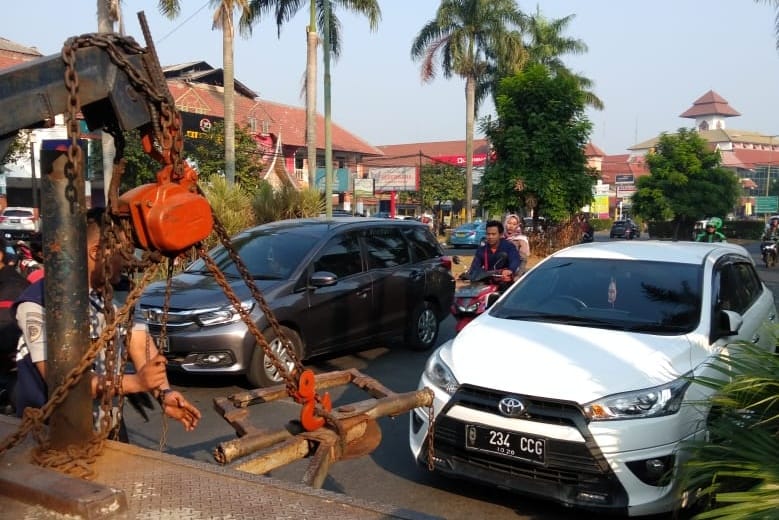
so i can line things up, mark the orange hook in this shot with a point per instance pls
(308, 417)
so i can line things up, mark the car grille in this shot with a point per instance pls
(578, 464)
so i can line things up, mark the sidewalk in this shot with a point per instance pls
(138, 483)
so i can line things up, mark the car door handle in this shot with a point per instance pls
(363, 293)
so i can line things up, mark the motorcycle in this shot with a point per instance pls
(769, 252)
(472, 299)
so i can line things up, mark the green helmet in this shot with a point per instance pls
(714, 221)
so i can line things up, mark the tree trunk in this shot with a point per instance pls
(105, 25)
(470, 114)
(328, 136)
(229, 96)
(311, 66)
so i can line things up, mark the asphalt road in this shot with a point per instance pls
(388, 474)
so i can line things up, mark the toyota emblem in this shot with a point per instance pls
(512, 407)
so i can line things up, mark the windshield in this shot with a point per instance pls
(267, 255)
(641, 296)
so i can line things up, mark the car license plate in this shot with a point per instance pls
(163, 345)
(459, 235)
(508, 444)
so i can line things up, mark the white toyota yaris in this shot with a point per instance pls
(579, 384)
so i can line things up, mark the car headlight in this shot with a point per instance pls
(222, 315)
(440, 374)
(652, 402)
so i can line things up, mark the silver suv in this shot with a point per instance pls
(19, 223)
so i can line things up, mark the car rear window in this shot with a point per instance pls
(423, 244)
(17, 213)
(386, 248)
(641, 296)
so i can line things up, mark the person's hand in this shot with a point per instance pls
(152, 374)
(175, 406)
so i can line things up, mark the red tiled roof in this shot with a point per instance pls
(622, 164)
(748, 159)
(285, 121)
(593, 151)
(710, 104)
(13, 53)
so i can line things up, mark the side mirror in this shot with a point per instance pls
(728, 323)
(492, 298)
(322, 279)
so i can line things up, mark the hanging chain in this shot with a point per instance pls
(430, 436)
(74, 162)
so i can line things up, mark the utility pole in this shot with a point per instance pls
(328, 136)
(105, 24)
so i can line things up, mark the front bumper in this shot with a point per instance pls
(223, 349)
(576, 472)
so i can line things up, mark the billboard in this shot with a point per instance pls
(363, 188)
(600, 206)
(402, 178)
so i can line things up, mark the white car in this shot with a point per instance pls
(578, 384)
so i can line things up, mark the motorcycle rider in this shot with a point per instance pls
(514, 234)
(488, 255)
(711, 233)
(772, 233)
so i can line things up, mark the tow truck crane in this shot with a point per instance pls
(116, 85)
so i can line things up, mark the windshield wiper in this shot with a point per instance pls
(262, 276)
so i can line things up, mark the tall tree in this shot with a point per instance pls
(467, 38)
(687, 182)
(775, 5)
(539, 140)
(547, 44)
(223, 20)
(283, 11)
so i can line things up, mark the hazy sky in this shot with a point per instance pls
(649, 60)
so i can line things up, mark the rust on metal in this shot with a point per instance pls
(351, 430)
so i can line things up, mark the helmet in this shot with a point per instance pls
(715, 222)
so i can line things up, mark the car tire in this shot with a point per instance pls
(422, 330)
(261, 372)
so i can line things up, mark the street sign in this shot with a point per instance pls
(767, 204)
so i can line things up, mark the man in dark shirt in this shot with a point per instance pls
(496, 253)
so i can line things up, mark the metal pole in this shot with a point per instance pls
(328, 128)
(34, 184)
(66, 297)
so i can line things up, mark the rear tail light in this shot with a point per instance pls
(446, 262)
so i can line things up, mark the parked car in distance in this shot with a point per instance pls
(19, 223)
(619, 228)
(332, 284)
(469, 234)
(582, 382)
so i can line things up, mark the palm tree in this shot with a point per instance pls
(775, 4)
(283, 11)
(470, 38)
(546, 45)
(223, 20)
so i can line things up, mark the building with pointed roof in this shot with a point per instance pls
(753, 156)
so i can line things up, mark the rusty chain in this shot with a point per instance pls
(33, 419)
(431, 436)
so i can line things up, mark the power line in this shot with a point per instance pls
(182, 23)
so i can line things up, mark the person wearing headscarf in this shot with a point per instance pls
(512, 226)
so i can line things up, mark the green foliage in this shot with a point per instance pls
(139, 167)
(18, 149)
(208, 154)
(539, 139)
(687, 182)
(600, 224)
(271, 204)
(232, 205)
(439, 183)
(737, 468)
